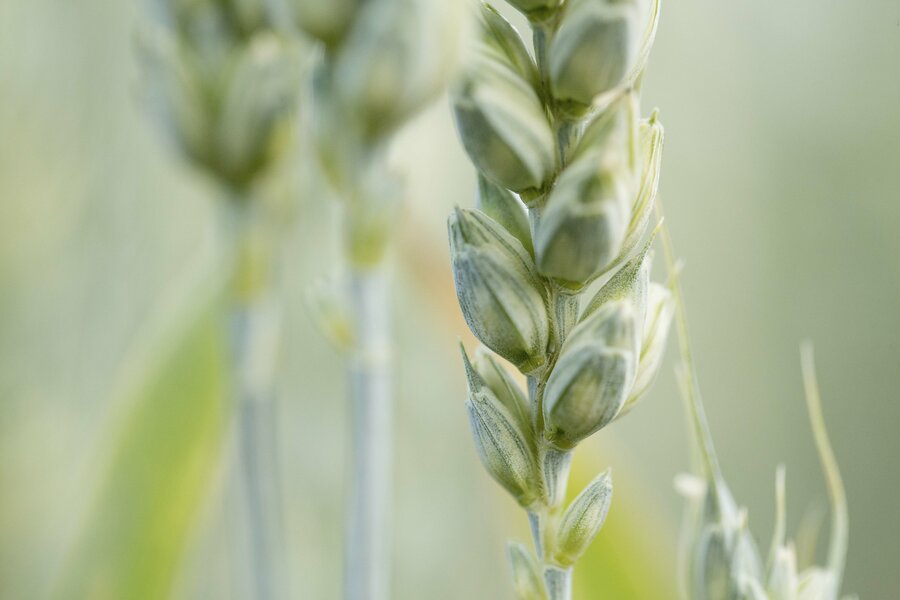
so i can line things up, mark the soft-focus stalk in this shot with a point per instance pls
(380, 63)
(255, 332)
(225, 84)
(367, 554)
(696, 409)
(837, 544)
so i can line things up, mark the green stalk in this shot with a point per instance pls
(837, 546)
(255, 328)
(554, 464)
(367, 557)
(559, 582)
(688, 377)
(226, 85)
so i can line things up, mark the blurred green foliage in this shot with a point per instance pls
(162, 465)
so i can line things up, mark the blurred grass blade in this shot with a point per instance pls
(161, 468)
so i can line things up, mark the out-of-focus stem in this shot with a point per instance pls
(837, 546)
(255, 329)
(688, 376)
(367, 554)
(257, 441)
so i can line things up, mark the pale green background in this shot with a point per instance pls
(780, 177)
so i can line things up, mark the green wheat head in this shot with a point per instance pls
(568, 174)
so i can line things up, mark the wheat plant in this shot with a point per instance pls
(568, 175)
(379, 63)
(225, 87)
(719, 555)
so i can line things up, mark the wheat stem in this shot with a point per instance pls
(380, 63)
(225, 86)
(559, 583)
(255, 330)
(554, 465)
(256, 438)
(688, 376)
(837, 546)
(368, 541)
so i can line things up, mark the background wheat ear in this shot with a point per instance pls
(719, 555)
(224, 85)
(379, 62)
(568, 175)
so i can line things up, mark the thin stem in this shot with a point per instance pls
(780, 528)
(558, 580)
(367, 554)
(559, 583)
(837, 546)
(689, 376)
(256, 420)
(554, 465)
(255, 330)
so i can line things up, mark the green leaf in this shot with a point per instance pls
(160, 472)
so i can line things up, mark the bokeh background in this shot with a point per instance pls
(781, 178)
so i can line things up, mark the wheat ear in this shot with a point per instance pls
(568, 173)
(380, 61)
(224, 85)
(720, 558)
